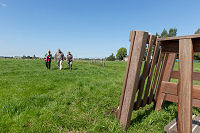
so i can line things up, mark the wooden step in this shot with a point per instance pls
(172, 127)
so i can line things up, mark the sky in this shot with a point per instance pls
(88, 28)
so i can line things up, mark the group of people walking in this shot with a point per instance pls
(59, 58)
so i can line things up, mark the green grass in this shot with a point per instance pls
(33, 99)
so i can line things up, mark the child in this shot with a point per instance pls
(48, 57)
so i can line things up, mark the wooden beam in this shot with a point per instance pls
(131, 39)
(179, 37)
(169, 67)
(156, 52)
(174, 99)
(166, 77)
(173, 46)
(155, 78)
(144, 73)
(133, 77)
(172, 88)
(195, 75)
(158, 95)
(185, 86)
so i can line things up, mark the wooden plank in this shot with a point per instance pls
(131, 38)
(155, 78)
(174, 98)
(172, 126)
(179, 37)
(173, 46)
(195, 75)
(144, 74)
(185, 86)
(172, 88)
(169, 66)
(133, 77)
(166, 77)
(156, 52)
(158, 95)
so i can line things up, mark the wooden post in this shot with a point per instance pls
(166, 77)
(146, 93)
(131, 39)
(169, 67)
(158, 94)
(185, 86)
(144, 73)
(141, 38)
(155, 78)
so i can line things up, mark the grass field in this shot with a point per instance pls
(33, 99)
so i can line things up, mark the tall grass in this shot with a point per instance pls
(34, 99)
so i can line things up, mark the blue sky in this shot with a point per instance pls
(88, 28)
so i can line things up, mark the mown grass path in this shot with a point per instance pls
(34, 99)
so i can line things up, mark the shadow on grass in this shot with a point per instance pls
(166, 105)
(68, 68)
(55, 68)
(140, 117)
(148, 111)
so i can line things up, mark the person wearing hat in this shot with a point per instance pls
(69, 60)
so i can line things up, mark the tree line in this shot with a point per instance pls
(122, 52)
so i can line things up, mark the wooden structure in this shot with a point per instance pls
(99, 62)
(135, 93)
(172, 127)
(152, 83)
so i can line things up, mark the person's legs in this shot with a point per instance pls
(60, 64)
(70, 65)
(46, 64)
(49, 63)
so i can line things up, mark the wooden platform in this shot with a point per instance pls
(172, 127)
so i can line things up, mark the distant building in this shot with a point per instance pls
(125, 58)
(17, 57)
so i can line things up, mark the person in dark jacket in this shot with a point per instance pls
(48, 57)
(69, 60)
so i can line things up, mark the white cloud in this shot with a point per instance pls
(3, 4)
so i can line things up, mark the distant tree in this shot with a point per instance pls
(23, 57)
(164, 33)
(172, 32)
(121, 53)
(111, 57)
(28, 57)
(157, 34)
(197, 31)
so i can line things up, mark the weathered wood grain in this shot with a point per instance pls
(195, 75)
(166, 77)
(179, 37)
(156, 52)
(172, 127)
(185, 86)
(131, 39)
(158, 95)
(133, 77)
(155, 78)
(172, 88)
(144, 73)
